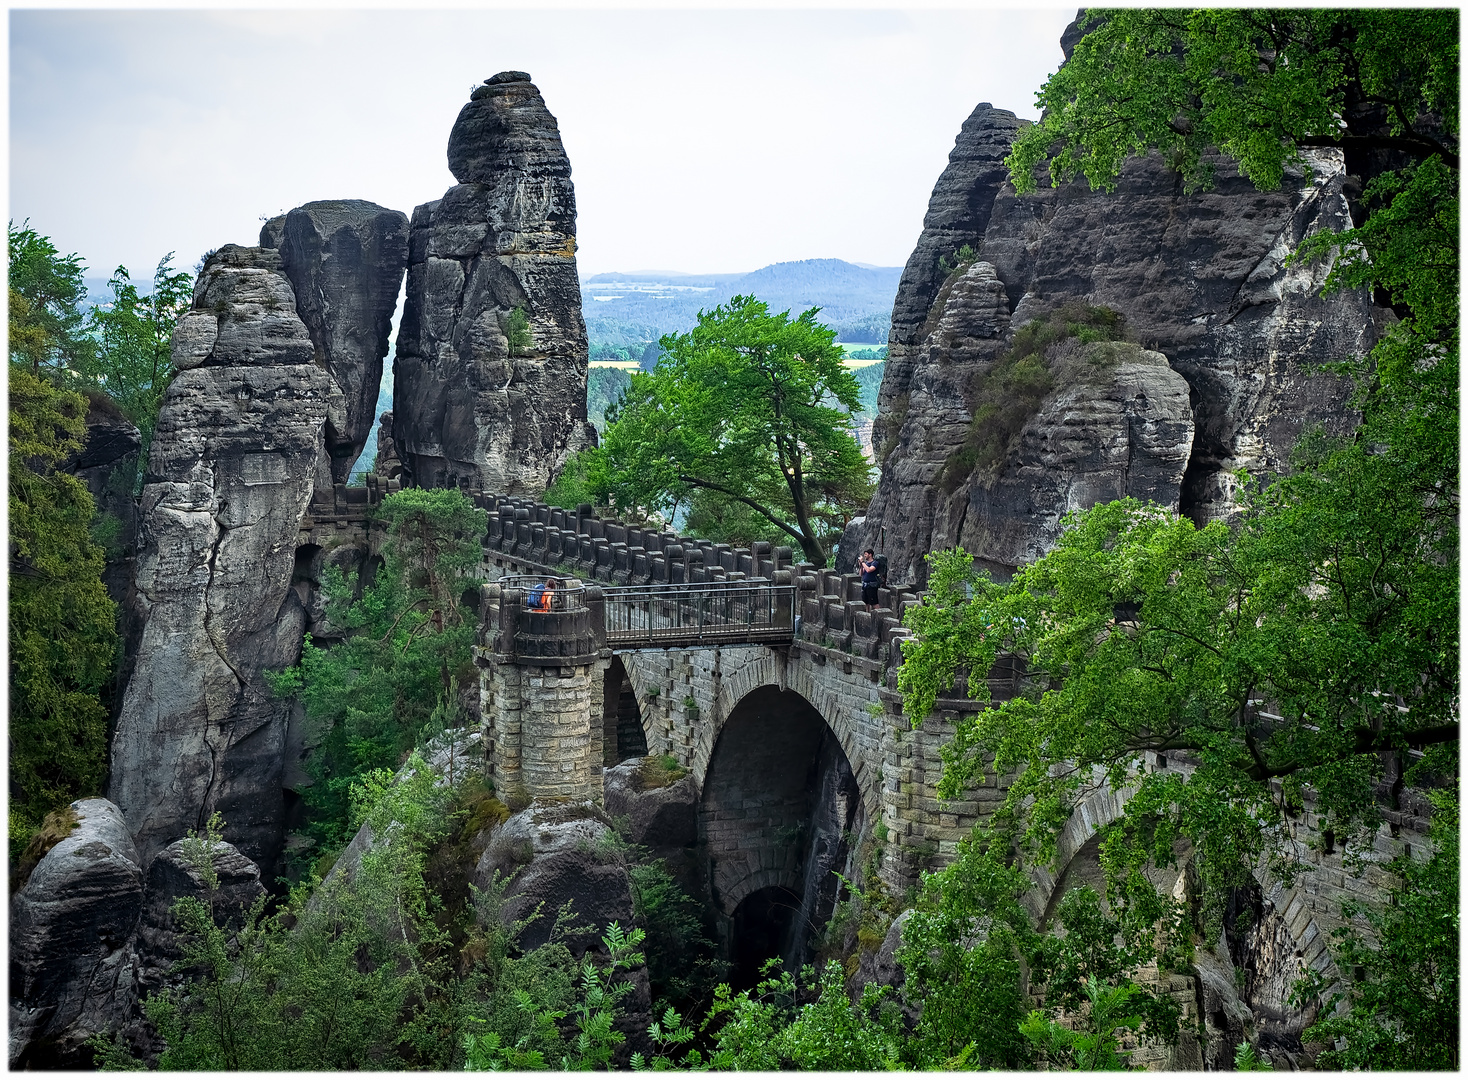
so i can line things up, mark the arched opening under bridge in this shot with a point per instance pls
(623, 736)
(778, 815)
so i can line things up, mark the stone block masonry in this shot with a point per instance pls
(843, 664)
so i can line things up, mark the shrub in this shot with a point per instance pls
(1005, 395)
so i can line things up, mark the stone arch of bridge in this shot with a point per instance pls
(745, 670)
(1093, 813)
(778, 797)
(1283, 939)
(771, 668)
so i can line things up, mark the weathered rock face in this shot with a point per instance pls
(230, 474)
(476, 402)
(1119, 427)
(665, 817)
(345, 260)
(72, 970)
(170, 877)
(1199, 278)
(549, 855)
(105, 463)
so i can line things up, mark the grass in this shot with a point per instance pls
(659, 771)
(58, 825)
(1004, 396)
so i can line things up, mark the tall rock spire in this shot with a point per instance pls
(490, 370)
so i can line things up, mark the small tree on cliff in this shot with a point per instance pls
(747, 422)
(134, 335)
(405, 653)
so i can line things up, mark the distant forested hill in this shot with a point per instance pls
(626, 310)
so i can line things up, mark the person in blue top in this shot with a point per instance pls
(870, 579)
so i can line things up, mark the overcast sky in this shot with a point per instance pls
(699, 140)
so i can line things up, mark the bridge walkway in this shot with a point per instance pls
(695, 615)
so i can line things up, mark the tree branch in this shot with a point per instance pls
(756, 507)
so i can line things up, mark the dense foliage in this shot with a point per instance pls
(1313, 644)
(47, 323)
(745, 426)
(391, 963)
(134, 335)
(403, 655)
(63, 635)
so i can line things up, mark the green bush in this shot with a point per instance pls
(406, 652)
(1005, 395)
(682, 960)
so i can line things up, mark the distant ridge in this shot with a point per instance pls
(626, 308)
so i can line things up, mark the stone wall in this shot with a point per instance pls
(697, 704)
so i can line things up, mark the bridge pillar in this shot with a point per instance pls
(540, 686)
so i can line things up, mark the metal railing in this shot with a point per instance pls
(569, 593)
(749, 612)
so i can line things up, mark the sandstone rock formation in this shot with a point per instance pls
(549, 855)
(72, 972)
(172, 876)
(489, 387)
(1119, 426)
(1200, 278)
(657, 818)
(243, 440)
(345, 260)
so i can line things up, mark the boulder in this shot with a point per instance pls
(72, 967)
(881, 967)
(548, 856)
(345, 260)
(480, 401)
(171, 877)
(1200, 278)
(1119, 427)
(665, 817)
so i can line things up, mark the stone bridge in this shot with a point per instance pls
(803, 760)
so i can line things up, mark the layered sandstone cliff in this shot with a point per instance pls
(489, 389)
(267, 408)
(1201, 281)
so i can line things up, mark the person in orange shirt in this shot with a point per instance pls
(546, 595)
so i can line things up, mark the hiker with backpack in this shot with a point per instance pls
(871, 578)
(541, 596)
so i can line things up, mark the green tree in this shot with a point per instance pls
(970, 993)
(48, 330)
(748, 413)
(1313, 643)
(405, 652)
(63, 635)
(134, 334)
(1261, 85)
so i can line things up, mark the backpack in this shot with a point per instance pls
(533, 600)
(882, 571)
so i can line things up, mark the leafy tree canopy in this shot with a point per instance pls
(134, 334)
(747, 422)
(1261, 85)
(48, 329)
(62, 624)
